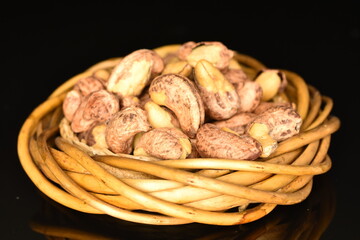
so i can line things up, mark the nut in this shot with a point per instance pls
(95, 137)
(236, 76)
(215, 52)
(219, 96)
(181, 96)
(178, 67)
(88, 85)
(71, 103)
(272, 82)
(250, 94)
(237, 122)
(263, 106)
(163, 143)
(160, 117)
(274, 125)
(213, 142)
(97, 107)
(134, 72)
(122, 128)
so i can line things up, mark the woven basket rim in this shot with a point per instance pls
(306, 154)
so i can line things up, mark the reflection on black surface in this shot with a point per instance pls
(306, 220)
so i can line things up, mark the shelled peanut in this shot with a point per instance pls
(194, 101)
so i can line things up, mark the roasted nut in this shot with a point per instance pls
(214, 52)
(160, 117)
(178, 67)
(236, 76)
(181, 96)
(129, 101)
(272, 82)
(274, 125)
(213, 142)
(88, 85)
(219, 96)
(97, 107)
(250, 94)
(71, 103)
(95, 137)
(122, 128)
(163, 143)
(263, 106)
(134, 72)
(237, 122)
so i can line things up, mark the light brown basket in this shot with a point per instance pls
(172, 192)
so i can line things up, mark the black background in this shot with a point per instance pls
(44, 45)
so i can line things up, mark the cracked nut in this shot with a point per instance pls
(160, 117)
(163, 143)
(214, 52)
(178, 67)
(134, 72)
(236, 123)
(250, 94)
(122, 128)
(181, 96)
(219, 96)
(272, 82)
(214, 142)
(97, 107)
(274, 125)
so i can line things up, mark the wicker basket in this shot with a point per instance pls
(201, 190)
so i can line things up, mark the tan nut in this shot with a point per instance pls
(250, 94)
(215, 52)
(95, 137)
(263, 106)
(273, 125)
(181, 96)
(97, 107)
(219, 96)
(213, 142)
(88, 85)
(272, 82)
(236, 76)
(123, 127)
(160, 117)
(134, 72)
(237, 122)
(71, 103)
(282, 121)
(178, 67)
(163, 143)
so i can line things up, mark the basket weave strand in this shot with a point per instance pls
(203, 190)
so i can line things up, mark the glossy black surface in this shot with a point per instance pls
(44, 45)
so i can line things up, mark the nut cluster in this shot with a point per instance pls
(197, 101)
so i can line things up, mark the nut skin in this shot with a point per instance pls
(163, 143)
(220, 98)
(215, 52)
(263, 106)
(97, 107)
(236, 76)
(282, 121)
(250, 94)
(88, 85)
(71, 103)
(134, 72)
(122, 128)
(213, 142)
(236, 123)
(181, 96)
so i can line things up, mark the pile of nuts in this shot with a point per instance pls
(196, 102)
